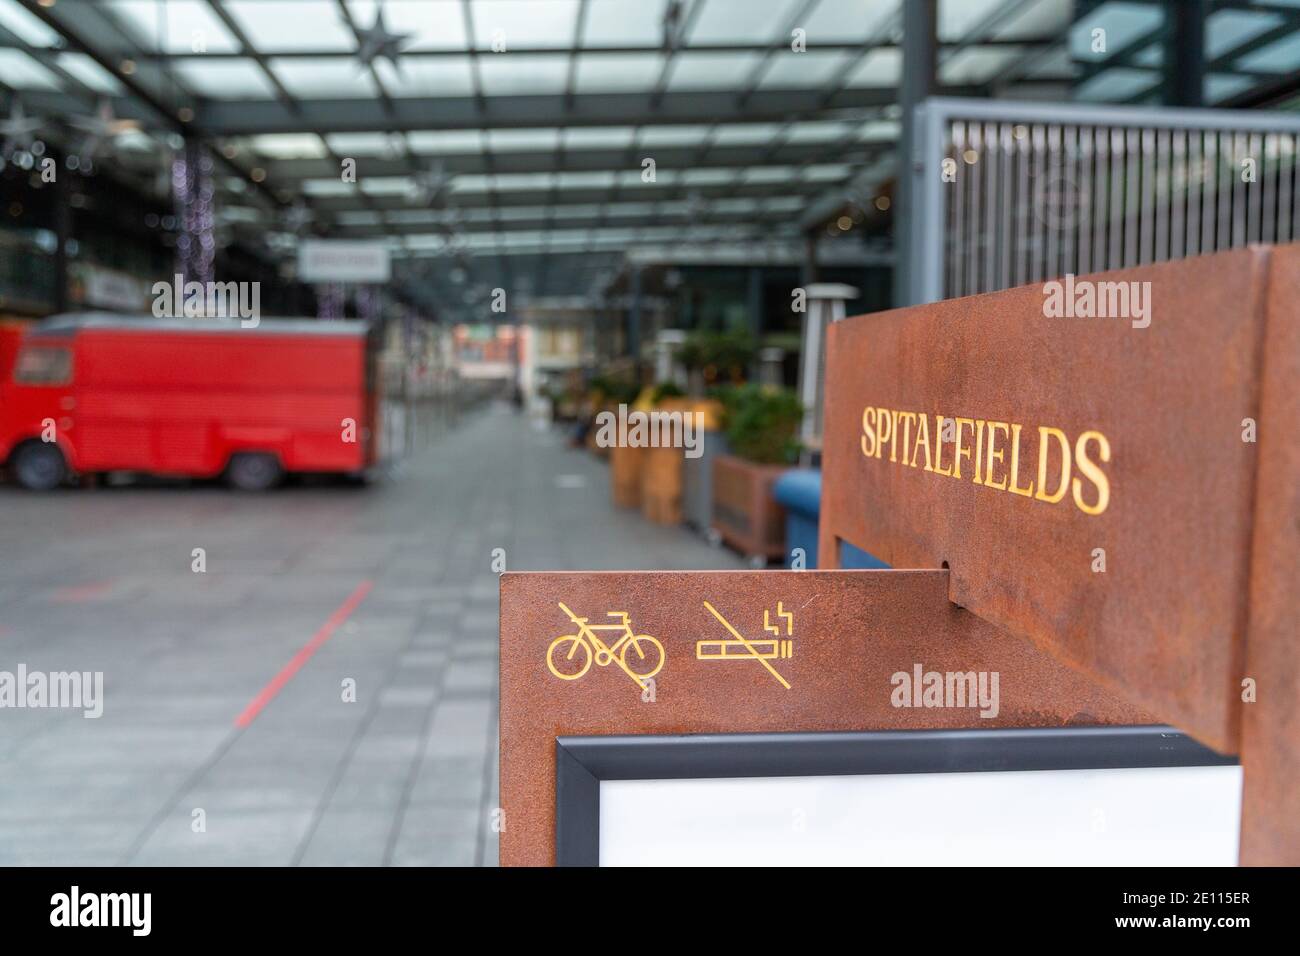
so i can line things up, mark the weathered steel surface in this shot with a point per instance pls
(1270, 742)
(1165, 623)
(830, 642)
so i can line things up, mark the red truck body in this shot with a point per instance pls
(181, 396)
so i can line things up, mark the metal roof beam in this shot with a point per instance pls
(356, 114)
(541, 223)
(668, 159)
(822, 46)
(592, 196)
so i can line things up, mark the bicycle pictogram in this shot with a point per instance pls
(570, 655)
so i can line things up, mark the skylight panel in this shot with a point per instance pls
(178, 26)
(284, 25)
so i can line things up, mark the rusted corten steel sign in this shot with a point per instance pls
(742, 651)
(1108, 467)
(1270, 738)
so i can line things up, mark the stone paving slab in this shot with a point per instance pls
(405, 774)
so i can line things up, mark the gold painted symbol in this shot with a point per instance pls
(739, 648)
(570, 655)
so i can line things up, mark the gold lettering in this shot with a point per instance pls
(995, 454)
(1042, 495)
(958, 451)
(868, 431)
(1092, 472)
(938, 446)
(1014, 488)
(923, 438)
(908, 418)
(911, 430)
(883, 431)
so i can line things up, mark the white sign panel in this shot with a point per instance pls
(109, 289)
(1148, 816)
(343, 260)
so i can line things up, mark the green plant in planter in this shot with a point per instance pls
(762, 423)
(733, 354)
(665, 390)
(719, 356)
(691, 355)
(616, 390)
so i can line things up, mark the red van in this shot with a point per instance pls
(91, 393)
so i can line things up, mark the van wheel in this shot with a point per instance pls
(254, 471)
(39, 466)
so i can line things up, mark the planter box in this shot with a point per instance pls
(590, 440)
(745, 513)
(661, 486)
(626, 466)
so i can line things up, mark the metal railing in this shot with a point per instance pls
(1012, 193)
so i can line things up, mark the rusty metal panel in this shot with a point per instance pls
(735, 652)
(1159, 476)
(1270, 741)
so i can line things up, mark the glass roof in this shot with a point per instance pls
(25, 26)
(425, 77)
(225, 79)
(539, 23)
(618, 72)
(177, 27)
(431, 26)
(22, 71)
(624, 23)
(495, 120)
(90, 73)
(275, 26)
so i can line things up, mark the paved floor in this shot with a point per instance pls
(225, 736)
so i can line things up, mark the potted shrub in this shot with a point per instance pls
(732, 354)
(716, 358)
(693, 358)
(761, 426)
(607, 393)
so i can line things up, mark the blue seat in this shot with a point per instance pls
(800, 492)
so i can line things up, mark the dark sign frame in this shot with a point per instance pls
(581, 763)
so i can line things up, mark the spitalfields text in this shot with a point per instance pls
(994, 454)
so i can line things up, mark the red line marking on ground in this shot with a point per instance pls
(82, 592)
(268, 692)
